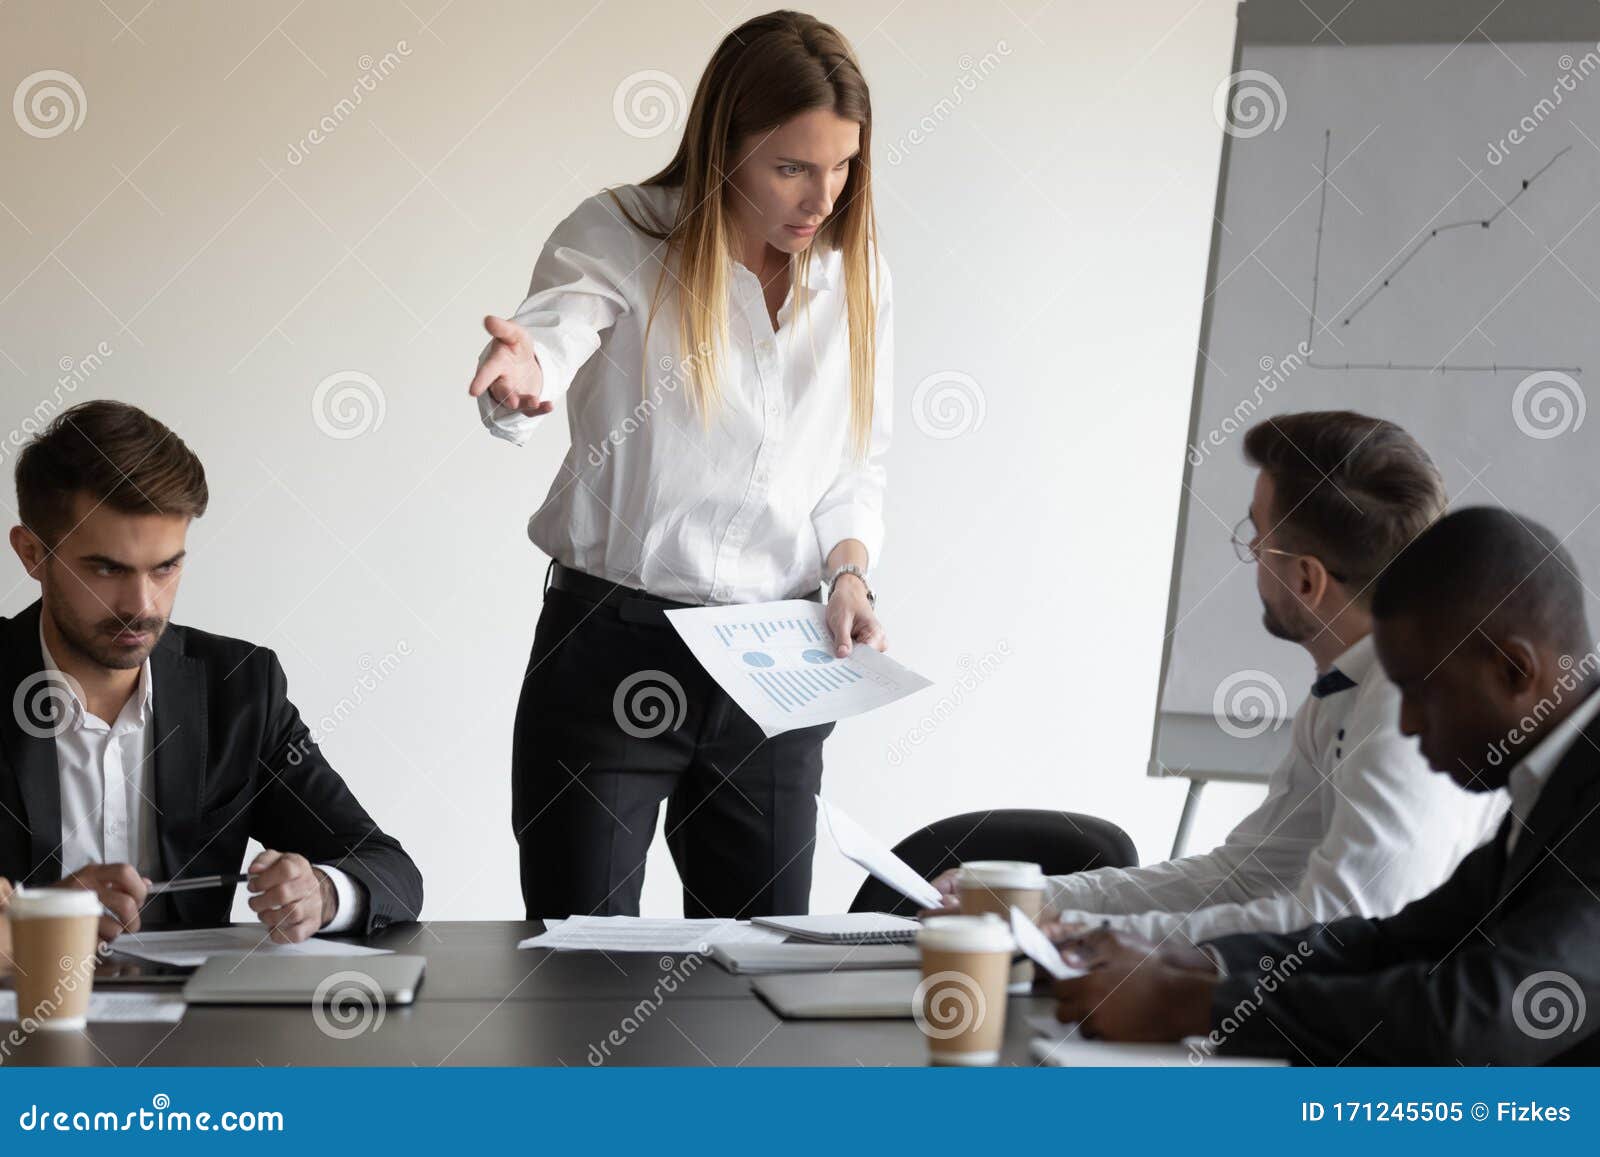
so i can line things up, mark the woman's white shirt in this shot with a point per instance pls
(647, 495)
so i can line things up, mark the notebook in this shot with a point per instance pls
(757, 959)
(868, 995)
(845, 928)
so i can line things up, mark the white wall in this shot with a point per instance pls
(1048, 233)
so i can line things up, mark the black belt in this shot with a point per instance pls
(632, 605)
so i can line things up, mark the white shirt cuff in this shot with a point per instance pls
(352, 896)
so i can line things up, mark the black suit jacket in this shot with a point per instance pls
(232, 760)
(1455, 976)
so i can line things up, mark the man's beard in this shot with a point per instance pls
(1278, 629)
(95, 642)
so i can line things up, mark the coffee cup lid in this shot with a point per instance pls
(986, 933)
(35, 903)
(1002, 874)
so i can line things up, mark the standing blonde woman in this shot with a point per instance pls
(720, 337)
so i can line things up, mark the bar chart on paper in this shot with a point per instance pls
(777, 662)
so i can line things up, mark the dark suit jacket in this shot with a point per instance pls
(1446, 979)
(232, 760)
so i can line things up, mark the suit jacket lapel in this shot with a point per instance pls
(1557, 807)
(178, 752)
(28, 743)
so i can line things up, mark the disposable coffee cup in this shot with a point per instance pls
(960, 1005)
(53, 935)
(994, 886)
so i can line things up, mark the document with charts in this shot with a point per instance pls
(776, 660)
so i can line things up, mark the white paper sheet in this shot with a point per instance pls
(189, 947)
(645, 934)
(1038, 947)
(868, 852)
(157, 1007)
(1058, 1044)
(776, 660)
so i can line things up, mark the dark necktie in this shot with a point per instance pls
(1331, 684)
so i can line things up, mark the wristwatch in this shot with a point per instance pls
(852, 568)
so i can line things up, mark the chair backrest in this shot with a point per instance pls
(1059, 842)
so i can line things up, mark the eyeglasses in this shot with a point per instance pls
(1244, 545)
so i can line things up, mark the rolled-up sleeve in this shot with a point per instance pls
(852, 506)
(575, 295)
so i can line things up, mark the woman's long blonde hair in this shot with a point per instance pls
(767, 70)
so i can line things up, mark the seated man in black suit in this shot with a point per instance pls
(1481, 625)
(136, 749)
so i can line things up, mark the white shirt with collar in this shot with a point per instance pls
(108, 813)
(1355, 823)
(649, 497)
(1533, 770)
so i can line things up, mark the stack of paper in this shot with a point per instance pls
(645, 934)
(190, 947)
(159, 1007)
(1060, 1044)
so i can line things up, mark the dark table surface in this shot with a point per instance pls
(483, 1001)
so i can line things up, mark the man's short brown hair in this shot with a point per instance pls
(1350, 489)
(116, 454)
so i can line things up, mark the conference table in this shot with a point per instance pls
(484, 1001)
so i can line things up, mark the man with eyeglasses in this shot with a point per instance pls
(1353, 823)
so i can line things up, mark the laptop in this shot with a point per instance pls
(232, 979)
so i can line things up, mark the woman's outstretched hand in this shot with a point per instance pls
(511, 372)
(851, 619)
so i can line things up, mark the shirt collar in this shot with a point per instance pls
(143, 692)
(1349, 669)
(1528, 777)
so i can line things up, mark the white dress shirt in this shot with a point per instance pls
(744, 511)
(1533, 770)
(108, 813)
(1355, 823)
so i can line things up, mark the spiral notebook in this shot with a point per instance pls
(844, 928)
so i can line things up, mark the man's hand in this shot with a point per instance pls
(1080, 944)
(511, 373)
(289, 896)
(120, 888)
(5, 893)
(1132, 994)
(850, 618)
(949, 894)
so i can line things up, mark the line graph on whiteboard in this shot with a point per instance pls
(1415, 254)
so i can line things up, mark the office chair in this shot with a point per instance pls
(1059, 842)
